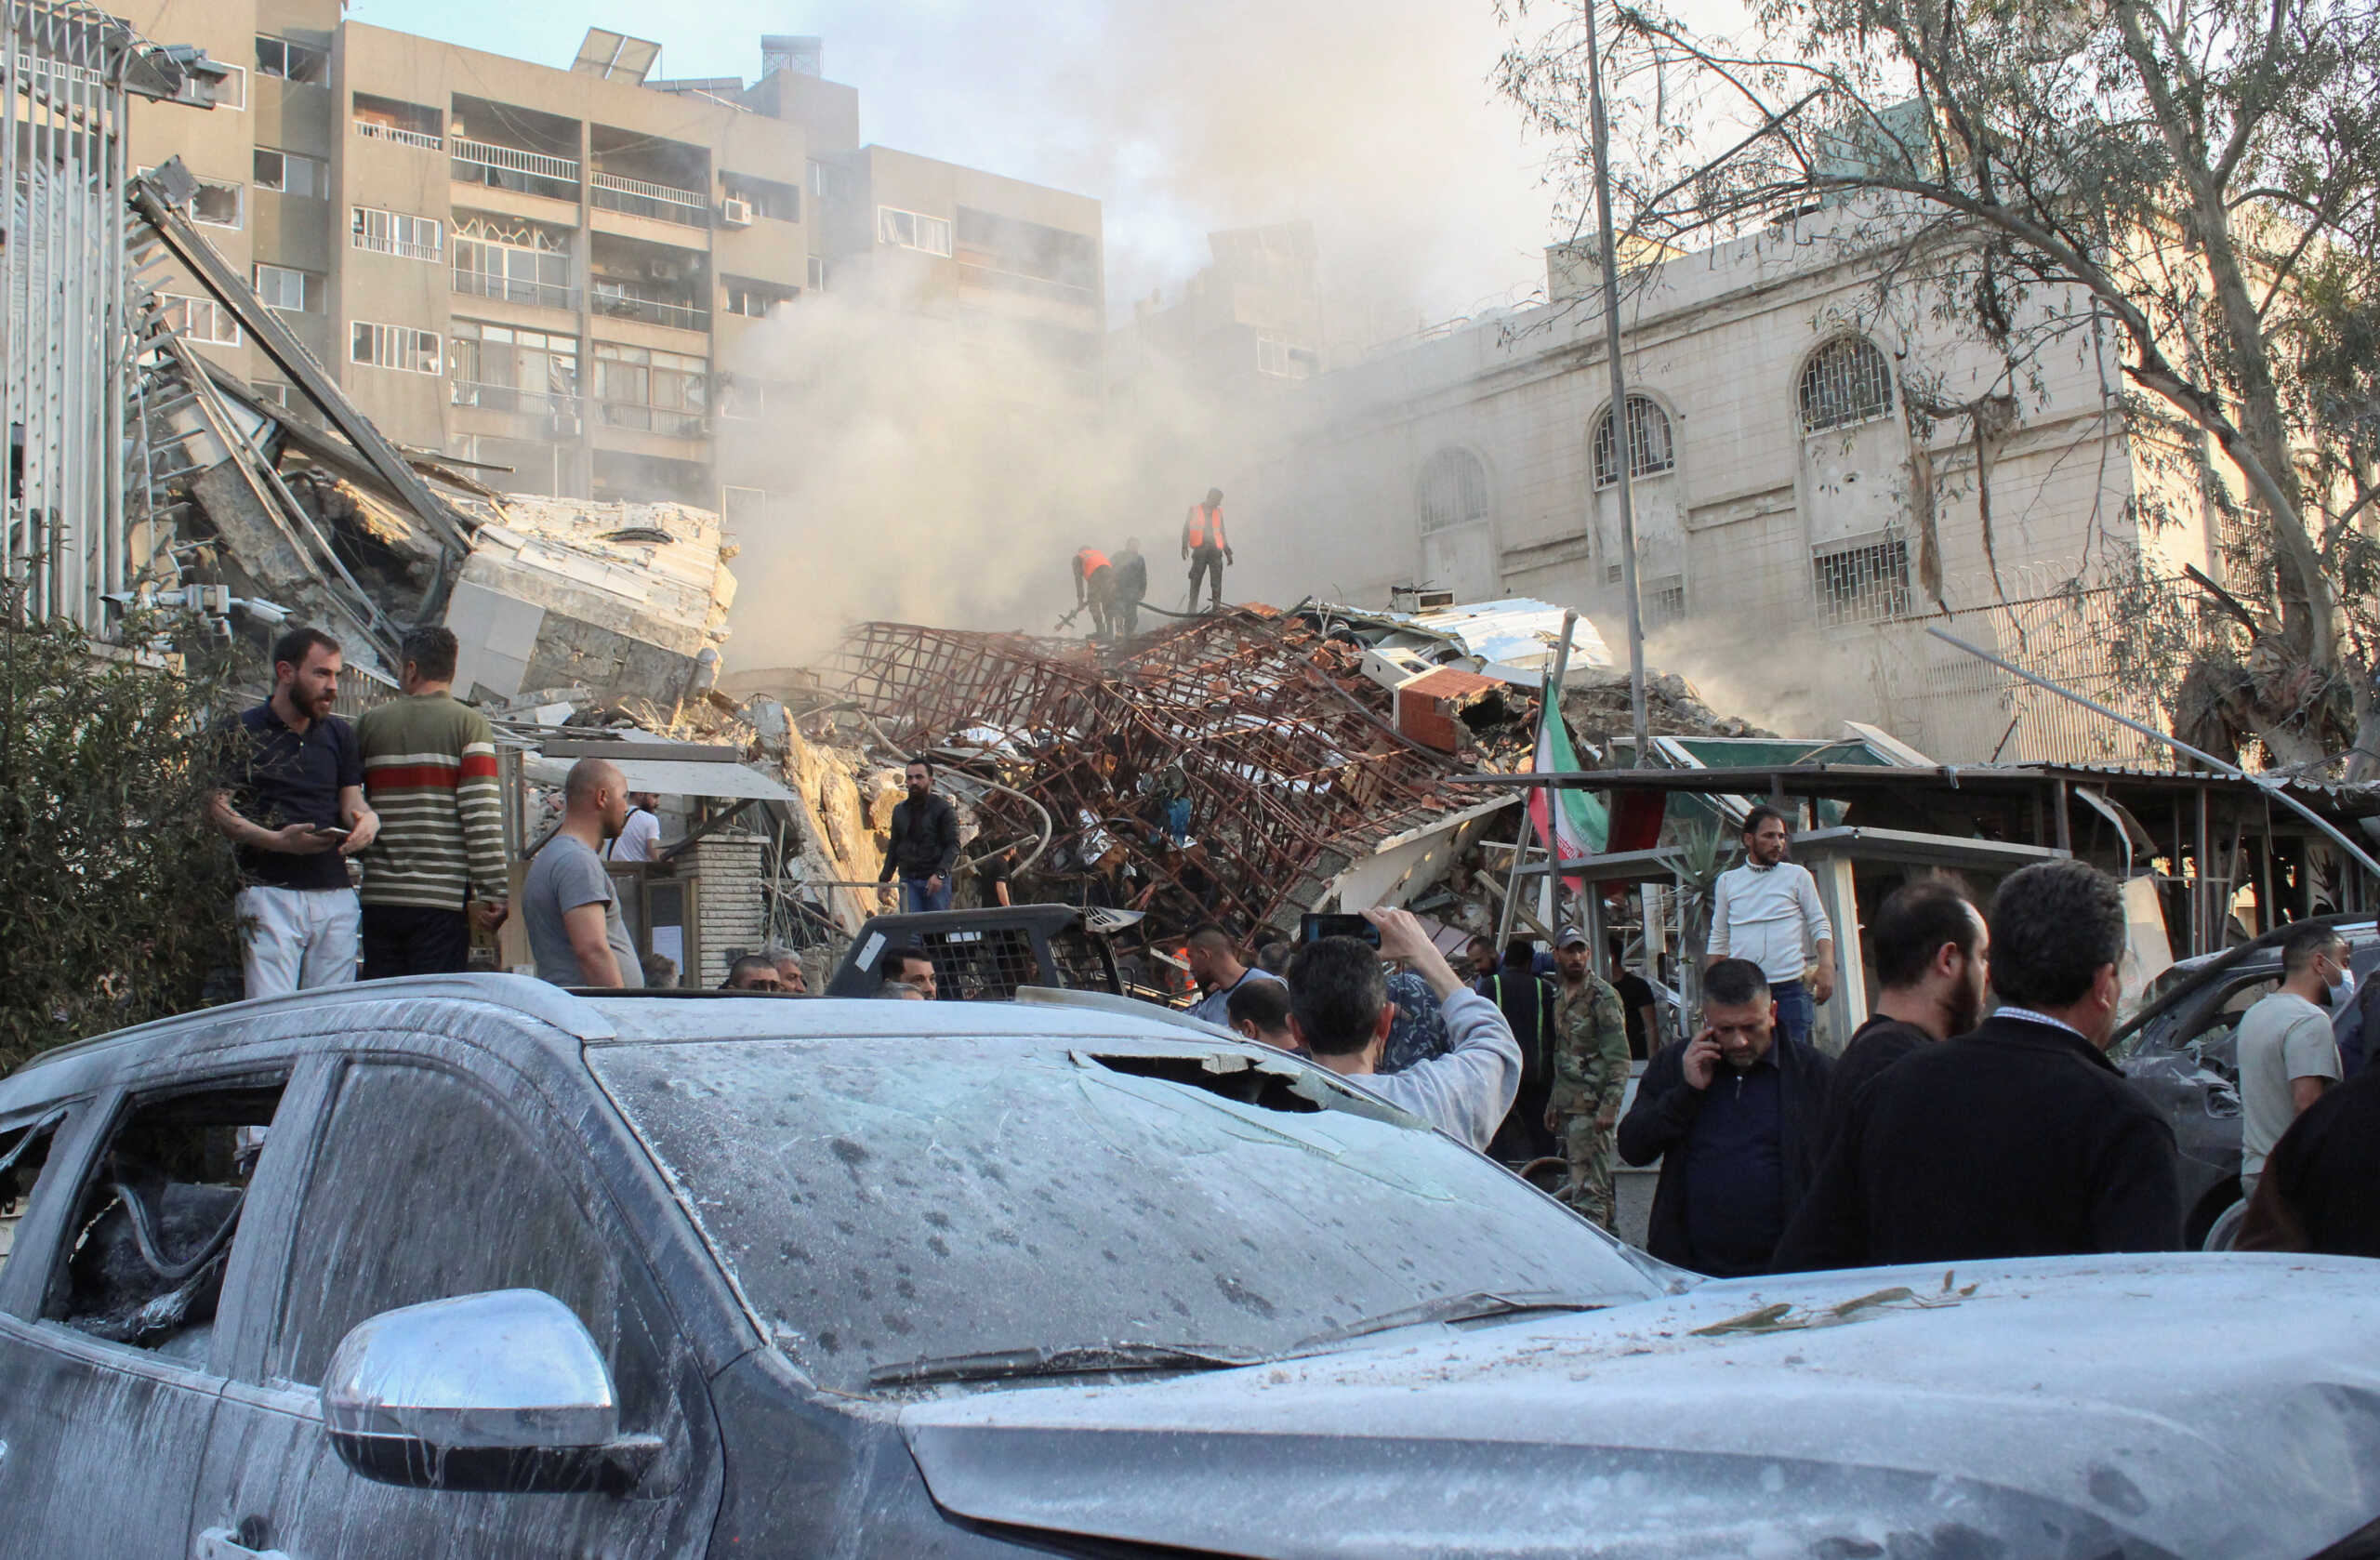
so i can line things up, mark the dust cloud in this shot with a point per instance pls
(933, 474)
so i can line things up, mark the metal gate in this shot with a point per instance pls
(67, 348)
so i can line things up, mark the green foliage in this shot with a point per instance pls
(115, 899)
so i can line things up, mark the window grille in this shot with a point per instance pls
(1453, 490)
(1846, 381)
(1867, 583)
(1663, 601)
(1650, 450)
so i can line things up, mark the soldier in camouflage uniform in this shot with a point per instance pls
(1590, 1074)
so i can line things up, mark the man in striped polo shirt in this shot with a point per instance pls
(430, 771)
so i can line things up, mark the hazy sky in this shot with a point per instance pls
(1375, 119)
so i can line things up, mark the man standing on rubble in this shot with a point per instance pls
(1589, 1078)
(1206, 549)
(1094, 587)
(429, 770)
(1132, 588)
(924, 847)
(291, 802)
(1767, 911)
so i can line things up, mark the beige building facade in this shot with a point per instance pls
(1783, 493)
(548, 270)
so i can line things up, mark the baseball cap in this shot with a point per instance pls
(1574, 938)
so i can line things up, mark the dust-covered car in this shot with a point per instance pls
(475, 1267)
(2182, 1050)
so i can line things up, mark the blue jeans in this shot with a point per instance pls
(1796, 1014)
(917, 899)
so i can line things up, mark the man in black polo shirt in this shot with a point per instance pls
(293, 803)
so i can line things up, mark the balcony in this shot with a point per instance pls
(623, 303)
(664, 202)
(509, 398)
(509, 167)
(513, 289)
(370, 129)
(641, 418)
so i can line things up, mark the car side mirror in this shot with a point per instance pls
(498, 1391)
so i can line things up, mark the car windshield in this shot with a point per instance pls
(890, 1210)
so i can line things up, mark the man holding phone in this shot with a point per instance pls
(291, 802)
(1733, 1115)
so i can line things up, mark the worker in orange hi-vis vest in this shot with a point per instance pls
(1094, 587)
(1206, 546)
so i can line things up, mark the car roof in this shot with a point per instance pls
(568, 1020)
(2358, 928)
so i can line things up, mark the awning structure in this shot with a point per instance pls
(676, 777)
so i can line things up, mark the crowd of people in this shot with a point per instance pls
(1941, 1133)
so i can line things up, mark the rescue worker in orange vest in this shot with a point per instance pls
(1204, 544)
(1094, 587)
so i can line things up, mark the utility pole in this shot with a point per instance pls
(1623, 447)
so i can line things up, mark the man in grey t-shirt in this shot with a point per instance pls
(2287, 1055)
(569, 908)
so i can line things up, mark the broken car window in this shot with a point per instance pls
(884, 1209)
(22, 1154)
(153, 1233)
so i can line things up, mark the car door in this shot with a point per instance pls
(110, 1369)
(431, 1176)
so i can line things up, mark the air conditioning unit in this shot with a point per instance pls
(734, 213)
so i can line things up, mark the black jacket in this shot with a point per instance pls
(1875, 1045)
(2019, 1140)
(925, 839)
(1132, 576)
(1663, 1116)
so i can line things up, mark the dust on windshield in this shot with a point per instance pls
(886, 1206)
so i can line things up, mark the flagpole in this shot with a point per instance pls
(1549, 708)
(1623, 446)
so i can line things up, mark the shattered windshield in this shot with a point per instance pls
(889, 1210)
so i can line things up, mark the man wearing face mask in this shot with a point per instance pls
(2020, 1139)
(2287, 1057)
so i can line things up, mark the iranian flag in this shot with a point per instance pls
(1572, 823)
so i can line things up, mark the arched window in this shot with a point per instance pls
(1650, 450)
(1453, 490)
(1845, 381)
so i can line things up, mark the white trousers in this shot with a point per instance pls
(297, 939)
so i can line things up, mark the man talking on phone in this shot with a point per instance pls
(291, 802)
(1733, 1115)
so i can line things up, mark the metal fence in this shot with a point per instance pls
(1959, 709)
(68, 343)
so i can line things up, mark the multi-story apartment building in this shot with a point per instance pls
(546, 269)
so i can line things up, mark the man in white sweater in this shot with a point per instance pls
(1340, 1012)
(1767, 911)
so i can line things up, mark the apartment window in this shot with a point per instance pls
(740, 508)
(817, 274)
(1664, 601)
(288, 173)
(1031, 257)
(279, 56)
(399, 346)
(1281, 358)
(912, 230)
(754, 299)
(1651, 451)
(272, 392)
(518, 261)
(394, 233)
(1846, 381)
(1864, 583)
(283, 287)
(232, 92)
(741, 398)
(201, 319)
(502, 368)
(662, 393)
(778, 202)
(1453, 490)
(220, 205)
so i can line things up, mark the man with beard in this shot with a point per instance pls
(924, 845)
(2286, 1054)
(1767, 911)
(1932, 954)
(291, 802)
(2020, 1139)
